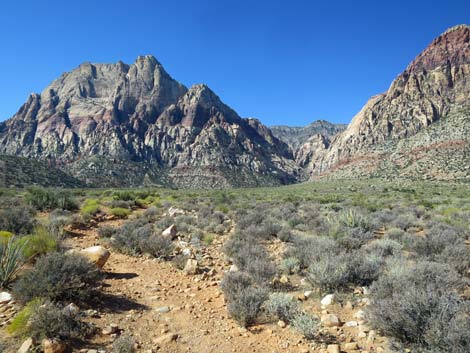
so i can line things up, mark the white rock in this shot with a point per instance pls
(26, 346)
(330, 320)
(170, 232)
(96, 254)
(173, 211)
(5, 297)
(233, 268)
(328, 299)
(191, 267)
(360, 315)
(71, 309)
(186, 252)
(351, 324)
(308, 293)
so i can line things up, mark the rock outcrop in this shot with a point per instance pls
(118, 124)
(433, 88)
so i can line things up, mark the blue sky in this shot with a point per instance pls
(284, 62)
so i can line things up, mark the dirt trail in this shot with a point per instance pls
(140, 287)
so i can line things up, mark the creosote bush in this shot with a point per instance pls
(246, 306)
(59, 277)
(282, 306)
(306, 324)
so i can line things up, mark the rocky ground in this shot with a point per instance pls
(167, 309)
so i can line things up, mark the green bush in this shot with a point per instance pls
(39, 243)
(59, 277)
(5, 236)
(120, 212)
(90, 207)
(48, 199)
(19, 325)
(11, 261)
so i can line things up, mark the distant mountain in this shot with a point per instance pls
(419, 128)
(123, 125)
(296, 136)
(132, 125)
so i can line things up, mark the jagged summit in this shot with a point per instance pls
(138, 113)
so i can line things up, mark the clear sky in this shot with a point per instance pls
(284, 62)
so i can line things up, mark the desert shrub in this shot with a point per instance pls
(234, 283)
(48, 199)
(207, 239)
(395, 234)
(39, 243)
(90, 207)
(457, 256)
(151, 212)
(246, 307)
(157, 246)
(57, 221)
(120, 212)
(311, 249)
(59, 277)
(11, 261)
(124, 195)
(106, 232)
(285, 235)
(363, 269)
(51, 321)
(262, 270)
(306, 324)
(17, 218)
(354, 238)
(124, 344)
(282, 306)
(289, 265)
(382, 218)
(329, 273)
(410, 302)
(19, 325)
(120, 204)
(384, 248)
(129, 237)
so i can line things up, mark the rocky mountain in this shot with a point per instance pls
(419, 127)
(296, 136)
(119, 124)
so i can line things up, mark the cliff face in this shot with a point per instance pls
(433, 87)
(107, 118)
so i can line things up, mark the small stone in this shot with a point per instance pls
(191, 267)
(170, 232)
(333, 348)
(52, 346)
(328, 299)
(5, 297)
(362, 335)
(233, 268)
(26, 346)
(163, 310)
(71, 309)
(301, 297)
(284, 279)
(350, 346)
(360, 315)
(111, 329)
(308, 293)
(281, 324)
(96, 254)
(169, 337)
(351, 324)
(330, 320)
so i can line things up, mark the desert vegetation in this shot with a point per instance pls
(369, 264)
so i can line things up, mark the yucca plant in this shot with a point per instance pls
(11, 260)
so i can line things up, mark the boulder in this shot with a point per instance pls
(170, 232)
(96, 254)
